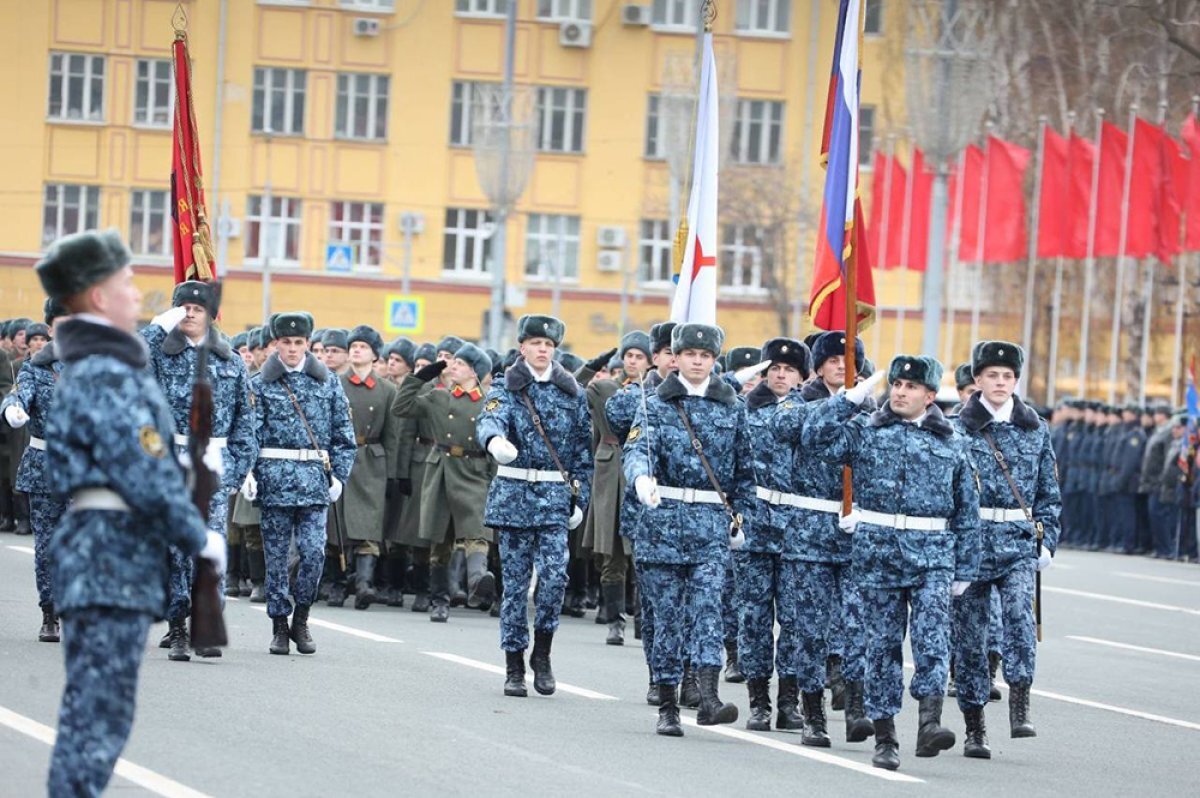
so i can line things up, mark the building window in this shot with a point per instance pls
(467, 247)
(873, 18)
(763, 16)
(656, 147)
(149, 231)
(369, 5)
(564, 10)
(359, 224)
(552, 247)
(682, 15)
(69, 209)
(76, 87)
(154, 93)
(273, 233)
(481, 8)
(866, 135)
(278, 101)
(744, 258)
(757, 132)
(362, 107)
(464, 95)
(654, 253)
(560, 114)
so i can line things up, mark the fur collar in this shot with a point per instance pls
(176, 342)
(519, 377)
(80, 338)
(761, 396)
(975, 416)
(814, 390)
(273, 369)
(46, 356)
(672, 388)
(934, 421)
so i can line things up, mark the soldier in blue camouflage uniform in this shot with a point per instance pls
(916, 540)
(172, 338)
(306, 451)
(30, 403)
(1011, 551)
(688, 528)
(108, 451)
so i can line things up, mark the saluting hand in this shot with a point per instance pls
(601, 361)
(432, 371)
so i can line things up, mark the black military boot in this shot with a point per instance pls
(514, 674)
(178, 633)
(245, 586)
(1018, 711)
(858, 726)
(7, 522)
(887, 747)
(258, 576)
(712, 711)
(364, 581)
(457, 578)
(733, 671)
(337, 582)
(932, 736)
(653, 697)
(233, 571)
(394, 566)
(976, 744)
(668, 712)
(836, 683)
(299, 633)
(481, 583)
(816, 731)
(539, 662)
(614, 598)
(439, 593)
(994, 660)
(760, 705)
(689, 688)
(788, 718)
(49, 631)
(420, 584)
(21, 508)
(280, 636)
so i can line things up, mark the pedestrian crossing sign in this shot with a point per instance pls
(405, 315)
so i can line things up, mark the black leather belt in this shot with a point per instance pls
(459, 451)
(426, 441)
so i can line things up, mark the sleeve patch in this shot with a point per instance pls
(634, 434)
(491, 405)
(151, 441)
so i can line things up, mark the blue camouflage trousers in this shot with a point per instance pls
(890, 613)
(730, 617)
(279, 526)
(102, 649)
(44, 513)
(522, 551)
(686, 601)
(647, 610)
(825, 593)
(847, 631)
(767, 591)
(995, 630)
(182, 567)
(1018, 644)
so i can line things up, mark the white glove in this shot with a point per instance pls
(1044, 558)
(737, 537)
(214, 550)
(750, 372)
(250, 488)
(214, 460)
(335, 490)
(859, 393)
(576, 519)
(647, 491)
(849, 523)
(958, 588)
(169, 319)
(16, 416)
(503, 451)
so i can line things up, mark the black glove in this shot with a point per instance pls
(432, 371)
(404, 486)
(389, 492)
(601, 361)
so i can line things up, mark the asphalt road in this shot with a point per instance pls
(392, 704)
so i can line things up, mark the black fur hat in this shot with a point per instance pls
(195, 292)
(529, 326)
(964, 375)
(660, 336)
(790, 351)
(832, 344)
(997, 353)
(76, 262)
(741, 357)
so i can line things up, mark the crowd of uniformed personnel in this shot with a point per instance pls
(694, 487)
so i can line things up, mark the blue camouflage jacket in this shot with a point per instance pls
(34, 393)
(110, 427)
(620, 410)
(562, 406)
(677, 532)
(292, 483)
(1025, 444)
(903, 468)
(773, 524)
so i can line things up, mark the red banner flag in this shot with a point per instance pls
(1145, 189)
(1172, 195)
(920, 196)
(968, 207)
(1081, 161)
(1114, 144)
(1191, 192)
(888, 186)
(1054, 205)
(191, 238)
(1005, 239)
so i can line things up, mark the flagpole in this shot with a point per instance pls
(1151, 273)
(1177, 356)
(1123, 239)
(1031, 264)
(885, 228)
(905, 243)
(981, 234)
(1056, 302)
(1089, 265)
(955, 251)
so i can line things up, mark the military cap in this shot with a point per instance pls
(697, 336)
(254, 338)
(919, 369)
(368, 336)
(833, 343)
(1128, 407)
(317, 335)
(404, 349)
(635, 339)
(660, 336)
(476, 358)
(997, 353)
(865, 368)
(964, 375)
(76, 262)
(569, 360)
(291, 325)
(810, 340)
(37, 328)
(336, 337)
(493, 355)
(17, 325)
(741, 357)
(268, 334)
(529, 326)
(425, 352)
(790, 352)
(239, 340)
(615, 363)
(510, 358)
(53, 309)
(195, 292)
(451, 344)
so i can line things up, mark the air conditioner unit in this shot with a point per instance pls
(577, 33)
(634, 15)
(610, 237)
(608, 260)
(365, 26)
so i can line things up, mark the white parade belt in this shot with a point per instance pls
(528, 474)
(901, 521)
(1001, 514)
(303, 455)
(689, 495)
(182, 440)
(37, 443)
(777, 497)
(98, 499)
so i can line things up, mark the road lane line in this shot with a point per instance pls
(22, 549)
(1166, 580)
(1150, 605)
(346, 630)
(1133, 713)
(582, 692)
(143, 777)
(806, 753)
(1128, 647)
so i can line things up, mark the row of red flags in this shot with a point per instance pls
(1163, 207)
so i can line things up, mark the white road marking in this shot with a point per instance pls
(143, 777)
(1150, 605)
(346, 630)
(1133, 713)
(22, 549)
(806, 753)
(1113, 644)
(1166, 580)
(582, 692)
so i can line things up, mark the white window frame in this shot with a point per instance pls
(571, 103)
(360, 234)
(564, 10)
(369, 6)
(552, 247)
(654, 148)
(295, 86)
(467, 229)
(867, 123)
(463, 96)
(878, 4)
(744, 122)
(656, 244)
(153, 81)
(490, 9)
(86, 67)
(378, 91)
(734, 249)
(662, 18)
(750, 23)
(147, 208)
(279, 229)
(86, 203)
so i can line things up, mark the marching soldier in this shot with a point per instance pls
(1151, 484)
(399, 356)
(535, 425)
(964, 383)
(245, 520)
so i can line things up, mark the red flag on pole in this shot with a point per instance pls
(917, 217)
(1006, 239)
(888, 187)
(1081, 161)
(191, 238)
(1172, 195)
(1145, 189)
(1054, 206)
(1114, 143)
(1191, 193)
(971, 182)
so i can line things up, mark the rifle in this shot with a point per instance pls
(208, 624)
